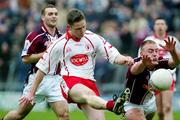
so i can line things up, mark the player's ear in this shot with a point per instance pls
(141, 54)
(42, 17)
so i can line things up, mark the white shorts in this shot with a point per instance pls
(148, 107)
(48, 89)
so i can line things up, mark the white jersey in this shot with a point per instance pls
(162, 52)
(77, 57)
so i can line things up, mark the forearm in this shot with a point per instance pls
(137, 68)
(33, 58)
(120, 59)
(39, 77)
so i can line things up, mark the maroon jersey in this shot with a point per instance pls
(37, 42)
(138, 83)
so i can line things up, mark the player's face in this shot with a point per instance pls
(50, 17)
(78, 29)
(160, 27)
(152, 51)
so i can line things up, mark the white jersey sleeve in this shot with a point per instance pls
(106, 49)
(50, 59)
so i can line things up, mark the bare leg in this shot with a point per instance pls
(83, 95)
(135, 114)
(61, 110)
(19, 114)
(91, 113)
(159, 106)
(167, 105)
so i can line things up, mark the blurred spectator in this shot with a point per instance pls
(4, 61)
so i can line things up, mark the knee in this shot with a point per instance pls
(167, 108)
(63, 115)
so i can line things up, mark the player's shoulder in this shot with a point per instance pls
(34, 34)
(93, 35)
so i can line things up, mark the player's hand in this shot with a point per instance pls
(25, 100)
(170, 44)
(146, 60)
(128, 61)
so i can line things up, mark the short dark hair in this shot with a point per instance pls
(47, 6)
(159, 18)
(146, 42)
(74, 15)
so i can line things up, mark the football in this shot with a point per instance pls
(161, 79)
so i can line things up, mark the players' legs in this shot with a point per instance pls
(167, 104)
(20, 113)
(61, 110)
(135, 114)
(159, 106)
(91, 113)
(79, 93)
(164, 105)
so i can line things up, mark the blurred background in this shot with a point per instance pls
(124, 23)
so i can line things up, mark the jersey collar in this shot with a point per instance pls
(69, 36)
(46, 31)
(156, 36)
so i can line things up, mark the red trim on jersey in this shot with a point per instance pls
(89, 41)
(156, 36)
(64, 56)
(105, 47)
(50, 53)
(69, 36)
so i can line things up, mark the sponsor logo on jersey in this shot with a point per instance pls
(79, 59)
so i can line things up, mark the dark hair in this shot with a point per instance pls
(146, 42)
(47, 6)
(74, 15)
(159, 18)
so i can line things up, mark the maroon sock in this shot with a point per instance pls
(110, 105)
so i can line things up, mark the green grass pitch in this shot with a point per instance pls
(75, 115)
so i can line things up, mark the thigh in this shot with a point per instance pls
(79, 93)
(167, 98)
(91, 113)
(159, 102)
(135, 114)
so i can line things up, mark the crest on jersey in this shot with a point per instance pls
(79, 59)
(68, 49)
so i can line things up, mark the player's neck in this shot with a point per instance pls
(160, 35)
(50, 30)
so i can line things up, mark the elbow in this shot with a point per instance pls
(25, 61)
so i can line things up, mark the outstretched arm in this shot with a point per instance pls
(140, 66)
(124, 60)
(170, 46)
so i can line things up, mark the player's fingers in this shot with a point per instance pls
(22, 100)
